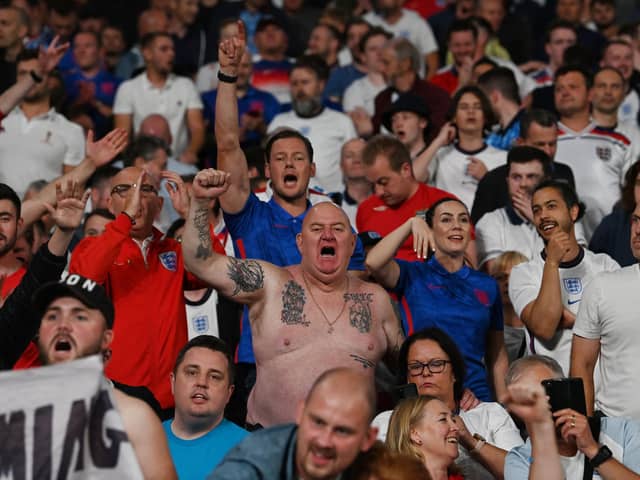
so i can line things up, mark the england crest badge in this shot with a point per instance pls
(169, 260)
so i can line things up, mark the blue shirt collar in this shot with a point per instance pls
(440, 270)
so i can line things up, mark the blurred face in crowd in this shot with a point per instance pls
(608, 91)
(71, 330)
(635, 223)
(186, 11)
(492, 11)
(154, 165)
(354, 35)
(603, 14)
(12, 31)
(551, 214)
(387, 7)
(85, 50)
(150, 203)
(620, 57)
(201, 385)
(451, 228)
(469, 115)
(436, 434)
(63, 25)
(306, 91)
(391, 66)
(523, 178)
(559, 40)
(160, 54)
(9, 224)
(544, 138)
(95, 225)
(408, 127)
(112, 40)
(393, 187)
(333, 430)
(321, 42)
(436, 379)
(152, 20)
(571, 94)
(289, 168)
(462, 45)
(271, 40)
(569, 10)
(351, 159)
(373, 53)
(40, 90)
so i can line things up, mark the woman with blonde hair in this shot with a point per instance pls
(380, 463)
(423, 427)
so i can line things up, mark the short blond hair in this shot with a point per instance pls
(507, 260)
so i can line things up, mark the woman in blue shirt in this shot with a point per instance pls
(444, 292)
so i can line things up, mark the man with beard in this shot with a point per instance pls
(77, 321)
(11, 269)
(251, 222)
(546, 291)
(327, 129)
(332, 428)
(37, 142)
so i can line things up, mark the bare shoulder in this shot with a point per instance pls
(134, 412)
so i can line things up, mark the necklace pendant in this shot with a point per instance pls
(330, 329)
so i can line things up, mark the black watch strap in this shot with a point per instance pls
(602, 456)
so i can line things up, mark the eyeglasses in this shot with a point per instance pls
(123, 189)
(434, 366)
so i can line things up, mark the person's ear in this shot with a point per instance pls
(370, 438)
(415, 437)
(312, 169)
(107, 338)
(299, 242)
(574, 211)
(267, 170)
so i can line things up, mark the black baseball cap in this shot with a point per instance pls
(267, 20)
(88, 291)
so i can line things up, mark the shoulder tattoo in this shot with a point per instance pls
(247, 275)
(293, 301)
(360, 310)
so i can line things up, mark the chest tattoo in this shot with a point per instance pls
(293, 301)
(360, 310)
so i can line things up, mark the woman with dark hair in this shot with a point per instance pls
(446, 293)
(613, 235)
(458, 158)
(431, 361)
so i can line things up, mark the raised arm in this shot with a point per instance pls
(380, 258)
(241, 280)
(231, 158)
(422, 162)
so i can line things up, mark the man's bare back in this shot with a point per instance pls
(306, 318)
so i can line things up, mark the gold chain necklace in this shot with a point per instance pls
(326, 319)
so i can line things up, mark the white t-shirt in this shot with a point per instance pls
(410, 26)
(609, 313)
(628, 109)
(524, 286)
(449, 169)
(37, 149)
(202, 316)
(599, 159)
(327, 132)
(488, 419)
(207, 77)
(138, 97)
(361, 93)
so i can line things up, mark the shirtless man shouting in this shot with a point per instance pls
(306, 318)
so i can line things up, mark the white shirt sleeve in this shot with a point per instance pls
(123, 104)
(194, 102)
(588, 319)
(524, 286)
(207, 77)
(74, 137)
(426, 42)
(352, 97)
(488, 238)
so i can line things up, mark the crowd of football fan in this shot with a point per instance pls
(368, 239)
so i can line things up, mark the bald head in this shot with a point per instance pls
(348, 383)
(325, 209)
(153, 20)
(155, 125)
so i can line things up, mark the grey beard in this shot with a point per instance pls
(307, 107)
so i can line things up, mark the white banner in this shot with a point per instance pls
(60, 422)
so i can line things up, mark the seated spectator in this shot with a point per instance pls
(408, 119)
(548, 308)
(430, 360)
(607, 450)
(360, 95)
(380, 463)
(207, 77)
(559, 36)
(202, 383)
(61, 22)
(462, 39)
(613, 236)
(89, 86)
(49, 147)
(459, 157)
(113, 47)
(325, 42)
(96, 222)
(514, 335)
(12, 42)
(189, 37)
(426, 290)
(157, 90)
(327, 129)
(424, 427)
(341, 400)
(256, 108)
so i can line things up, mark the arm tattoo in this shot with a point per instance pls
(360, 311)
(247, 275)
(362, 361)
(201, 222)
(293, 300)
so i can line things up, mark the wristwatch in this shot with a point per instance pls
(602, 456)
(481, 442)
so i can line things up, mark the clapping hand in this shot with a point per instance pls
(69, 209)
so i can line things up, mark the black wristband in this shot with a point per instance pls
(227, 78)
(602, 456)
(133, 220)
(36, 78)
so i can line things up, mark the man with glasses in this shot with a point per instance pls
(144, 276)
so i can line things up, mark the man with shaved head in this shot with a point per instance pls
(332, 428)
(144, 276)
(305, 318)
